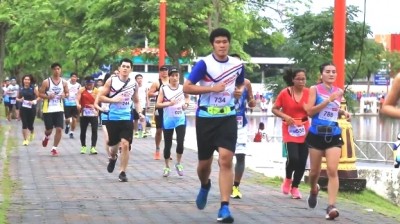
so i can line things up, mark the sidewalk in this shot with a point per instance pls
(75, 188)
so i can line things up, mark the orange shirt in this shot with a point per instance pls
(295, 133)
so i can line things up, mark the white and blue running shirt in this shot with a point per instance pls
(208, 72)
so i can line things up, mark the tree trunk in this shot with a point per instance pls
(3, 31)
(368, 82)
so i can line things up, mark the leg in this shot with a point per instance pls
(204, 171)
(292, 161)
(94, 122)
(57, 136)
(301, 164)
(124, 154)
(84, 122)
(168, 133)
(225, 173)
(239, 168)
(180, 138)
(332, 162)
(105, 135)
(315, 167)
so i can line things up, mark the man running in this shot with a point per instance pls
(71, 112)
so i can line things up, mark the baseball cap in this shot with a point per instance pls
(163, 67)
(7, 79)
(173, 70)
(89, 80)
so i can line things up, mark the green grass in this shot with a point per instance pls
(366, 198)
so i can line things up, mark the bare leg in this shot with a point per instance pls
(225, 173)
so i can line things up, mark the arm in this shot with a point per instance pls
(136, 101)
(389, 105)
(198, 72)
(147, 99)
(250, 97)
(66, 90)
(42, 90)
(160, 104)
(96, 100)
(36, 94)
(311, 108)
(152, 92)
(78, 99)
(105, 91)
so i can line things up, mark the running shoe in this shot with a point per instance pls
(331, 212)
(179, 169)
(224, 215)
(83, 150)
(54, 152)
(166, 172)
(136, 135)
(157, 155)
(295, 193)
(25, 142)
(71, 135)
(31, 136)
(66, 129)
(122, 177)
(93, 150)
(285, 187)
(236, 192)
(45, 141)
(312, 199)
(111, 164)
(201, 200)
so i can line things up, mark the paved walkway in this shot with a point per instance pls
(75, 188)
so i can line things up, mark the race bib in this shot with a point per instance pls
(296, 131)
(220, 99)
(124, 104)
(13, 101)
(54, 102)
(239, 120)
(175, 111)
(89, 112)
(329, 113)
(26, 104)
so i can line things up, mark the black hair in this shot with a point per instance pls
(73, 74)
(322, 67)
(126, 60)
(220, 32)
(290, 74)
(88, 79)
(236, 56)
(33, 81)
(138, 75)
(261, 126)
(55, 64)
(106, 76)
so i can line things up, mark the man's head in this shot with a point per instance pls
(73, 77)
(89, 82)
(7, 81)
(139, 78)
(13, 81)
(163, 71)
(220, 39)
(99, 83)
(56, 68)
(125, 66)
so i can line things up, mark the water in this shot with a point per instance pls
(365, 127)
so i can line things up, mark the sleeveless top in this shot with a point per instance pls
(240, 107)
(29, 95)
(121, 111)
(73, 92)
(87, 98)
(173, 116)
(55, 104)
(329, 115)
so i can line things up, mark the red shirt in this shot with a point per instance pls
(294, 109)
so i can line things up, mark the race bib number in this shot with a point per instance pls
(124, 104)
(239, 120)
(296, 131)
(329, 113)
(175, 111)
(13, 101)
(54, 102)
(89, 112)
(220, 99)
(26, 104)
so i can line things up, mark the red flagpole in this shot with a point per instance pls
(339, 41)
(163, 18)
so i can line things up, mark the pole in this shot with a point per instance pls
(163, 18)
(339, 41)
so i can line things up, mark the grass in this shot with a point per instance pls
(6, 183)
(366, 198)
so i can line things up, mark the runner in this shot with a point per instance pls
(52, 91)
(6, 98)
(71, 111)
(13, 91)
(324, 137)
(28, 96)
(221, 80)
(158, 113)
(144, 102)
(88, 113)
(173, 102)
(289, 106)
(118, 91)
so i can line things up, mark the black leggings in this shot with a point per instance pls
(27, 117)
(296, 161)
(180, 137)
(84, 122)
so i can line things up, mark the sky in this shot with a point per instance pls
(381, 15)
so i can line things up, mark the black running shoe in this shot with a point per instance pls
(66, 129)
(122, 177)
(111, 164)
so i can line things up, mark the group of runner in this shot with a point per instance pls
(224, 94)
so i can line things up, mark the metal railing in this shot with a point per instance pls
(379, 151)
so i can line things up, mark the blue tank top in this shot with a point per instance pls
(173, 116)
(240, 107)
(121, 111)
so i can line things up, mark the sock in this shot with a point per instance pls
(224, 203)
(54, 147)
(207, 186)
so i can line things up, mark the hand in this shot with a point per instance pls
(172, 102)
(185, 106)
(238, 92)
(118, 99)
(219, 87)
(289, 120)
(79, 107)
(347, 115)
(335, 95)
